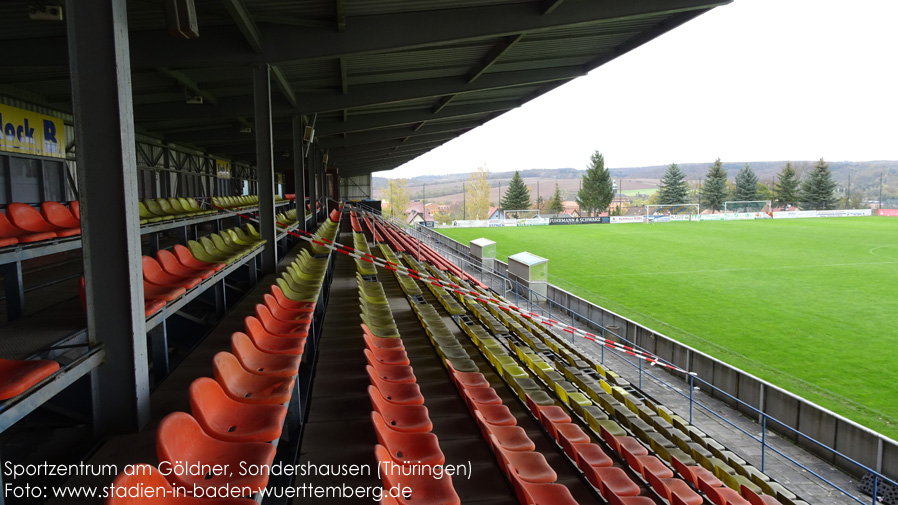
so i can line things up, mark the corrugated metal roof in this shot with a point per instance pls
(370, 7)
(461, 69)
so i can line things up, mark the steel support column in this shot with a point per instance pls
(322, 184)
(313, 183)
(15, 289)
(265, 166)
(299, 181)
(107, 176)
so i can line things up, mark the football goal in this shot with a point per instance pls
(521, 214)
(747, 206)
(675, 212)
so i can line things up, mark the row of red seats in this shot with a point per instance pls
(23, 223)
(529, 472)
(235, 417)
(401, 241)
(403, 425)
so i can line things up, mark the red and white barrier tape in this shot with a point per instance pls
(414, 274)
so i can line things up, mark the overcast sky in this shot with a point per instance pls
(755, 80)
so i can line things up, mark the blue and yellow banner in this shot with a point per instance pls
(26, 132)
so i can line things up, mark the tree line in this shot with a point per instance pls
(815, 191)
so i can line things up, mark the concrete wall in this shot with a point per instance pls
(789, 415)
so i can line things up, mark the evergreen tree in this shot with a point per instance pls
(597, 190)
(674, 188)
(746, 185)
(818, 188)
(786, 190)
(517, 196)
(714, 192)
(554, 205)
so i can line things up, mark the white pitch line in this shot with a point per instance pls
(720, 270)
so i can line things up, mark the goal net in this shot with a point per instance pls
(747, 206)
(667, 213)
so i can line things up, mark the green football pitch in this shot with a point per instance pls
(807, 304)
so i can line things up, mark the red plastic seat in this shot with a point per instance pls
(170, 264)
(230, 420)
(587, 454)
(59, 216)
(401, 393)
(531, 493)
(758, 499)
(692, 474)
(408, 447)
(246, 387)
(553, 413)
(630, 443)
(17, 376)
(75, 207)
(468, 379)
(153, 272)
(268, 342)
(482, 396)
(335, 215)
(616, 479)
(647, 463)
(156, 292)
(287, 303)
(259, 362)
(285, 314)
(512, 438)
(28, 218)
(390, 373)
(667, 488)
(425, 489)
(614, 499)
(11, 234)
(372, 341)
(186, 258)
(530, 466)
(405, 418)
(570, 431)
(721, 495)
(278, 327)
(150, 477)
(389, 356)
(498, 415)
(179, 438)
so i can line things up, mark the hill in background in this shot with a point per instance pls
(448, 189)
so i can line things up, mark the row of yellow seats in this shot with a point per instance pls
(302, 280)
(162, 209)
(226, 246)
(235, 202)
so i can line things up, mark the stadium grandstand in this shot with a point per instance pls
(202, 305)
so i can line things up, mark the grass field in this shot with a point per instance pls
(807, 304)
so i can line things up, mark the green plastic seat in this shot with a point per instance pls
(145, 215)
(166, 207)
(156, 210)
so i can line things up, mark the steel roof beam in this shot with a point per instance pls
(213, 132)
(364, 96)
(188, 83)
(286, 43)
(493, 56)
(395, 133)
